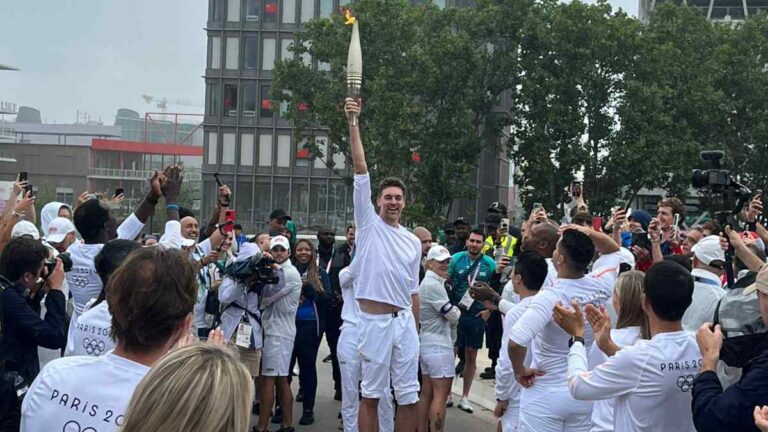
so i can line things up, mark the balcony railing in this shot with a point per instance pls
(122, 174)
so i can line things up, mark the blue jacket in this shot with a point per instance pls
(730, 410)
(318, 301)
(24, 330)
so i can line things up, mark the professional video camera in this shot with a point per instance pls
(725, 196)
(255, 272)
(50, 264)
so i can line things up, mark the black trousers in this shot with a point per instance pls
(493, 333)
(333, 324)
(305, 350)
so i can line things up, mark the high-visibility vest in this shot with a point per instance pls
(508, 242)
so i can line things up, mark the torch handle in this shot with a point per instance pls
(353, 120)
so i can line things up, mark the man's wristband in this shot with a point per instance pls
(172, 207)
(575, 339)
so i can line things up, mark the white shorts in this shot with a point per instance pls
(511, 418)
(551, 408)
(389, 346)
(437, 362)
(276, 356)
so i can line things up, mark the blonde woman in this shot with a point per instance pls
(198, 388)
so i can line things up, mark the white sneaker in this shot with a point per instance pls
(465, 406)
(449, 401)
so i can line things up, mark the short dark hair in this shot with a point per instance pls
(680, 259)
(582, 218)
(185, 212)
(22, 255)
(669, 289)
(578, 247)
(676, 205)
(477, 231)
(238, 226)
(391, 182)
(111, 256)
(532, 268)
(152, 292)
(349, 227)
(255, 239)
(712, 226)
(90, 218)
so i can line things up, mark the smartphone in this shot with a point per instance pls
(641, 240)
(621, 204)
(22, 176)
(119, 191)
(30, 189)
(505, 223)
(575, 189)
(229, 216)
(597, 223)
(537, 207)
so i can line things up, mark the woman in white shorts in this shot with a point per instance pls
(436, 314)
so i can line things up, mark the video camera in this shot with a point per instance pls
(255, 272)
(50, 264)
(719, 185)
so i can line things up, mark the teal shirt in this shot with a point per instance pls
(458, 274)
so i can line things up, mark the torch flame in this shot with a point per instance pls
(350, 20)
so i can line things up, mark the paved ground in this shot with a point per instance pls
(327, 409)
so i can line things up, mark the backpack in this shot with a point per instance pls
(745, 335)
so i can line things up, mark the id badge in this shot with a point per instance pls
(466, 301)
(243, 335)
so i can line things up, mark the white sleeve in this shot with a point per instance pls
(361, 200)
(435, 296)
(130, 228)
(230, 290)
(505, 306)
(536, 316)
(606, 381)
(206, 246)
(415, 267)
(172, 236)
(606, 268)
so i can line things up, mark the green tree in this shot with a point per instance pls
(431, 81)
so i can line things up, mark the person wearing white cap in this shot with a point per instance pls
(25, 228)
(708, 262)
(279, 304)
(61, 234)
(436, 314)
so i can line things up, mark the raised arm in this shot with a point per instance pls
(147, 206)
(603, 243)
(356, 144)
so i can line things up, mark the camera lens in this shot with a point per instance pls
(700, 178)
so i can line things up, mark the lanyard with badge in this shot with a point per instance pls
(330, 261)
(244, 328)
(467, 300)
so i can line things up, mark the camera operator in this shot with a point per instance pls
(241, 319)
(22, 264)
(279, 304)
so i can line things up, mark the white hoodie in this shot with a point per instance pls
(50, 212)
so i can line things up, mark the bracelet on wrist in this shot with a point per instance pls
(172, 207)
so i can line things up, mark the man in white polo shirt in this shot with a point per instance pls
(651, 380)
(386, 264)
(708, 263)
(82, 393)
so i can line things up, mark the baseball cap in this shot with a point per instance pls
(627, 258)
(438, 253)
(642, 217)
(709, 252)
(279, 241)
(449, 228)
(761, 282)
(497, 207)
(460, 221)
(25, 228)
(58, 230)
(279, 214)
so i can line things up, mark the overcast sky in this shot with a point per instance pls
(100, 55)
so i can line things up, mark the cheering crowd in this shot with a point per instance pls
(631, 325)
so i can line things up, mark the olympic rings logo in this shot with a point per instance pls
(73, 426)
(685, 382)
(93, 347)
(79, 281)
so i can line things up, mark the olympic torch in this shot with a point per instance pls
(354, 63)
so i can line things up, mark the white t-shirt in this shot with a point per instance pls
(595, 288)
(350, 310)
(92, 331)
(551, 274)
(81, 394)
(602, 410)
(507, 388)
(707, 291)
(202, 320)
(433, 299)
(650, 380)
(387, 259)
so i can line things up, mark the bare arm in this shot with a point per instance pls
(147, 206)
(415, 303)
(356, 143)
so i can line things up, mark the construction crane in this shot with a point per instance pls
(163, 103)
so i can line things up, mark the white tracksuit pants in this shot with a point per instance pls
(548, 408)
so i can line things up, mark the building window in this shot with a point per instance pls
(268, 53)
(213, 99)
(215, 52)
(214, 13)
(65, 195)
(213, 138)
(251, 53)
(265, 150)
(252, 10)
(249, 100)
(289, 11)
(270, 11)
(246, 149)
(302, 154)
(228, 149)
(307, 10)
(283, 151)
(285, 54)
(230, 99)
(265, 104)
(233, 52)
(326, 8)
(233, 10)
